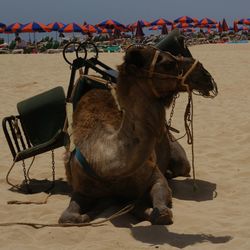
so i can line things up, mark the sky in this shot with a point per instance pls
(124, 11)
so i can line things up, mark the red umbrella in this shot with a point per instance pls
(224, 25)
(34, 27)
(2, 25)
(71, 27)
(235, 27)
(220, 27)
(110, 24)
(13, 28)
(161, 22)
(143, 23)
(104, 30)
(55, 26)
(183, 25)
(155, 27)
(139, 31)
(206, 21)
(164, 29)
(185, 19)
(88, 28)
(244, 21)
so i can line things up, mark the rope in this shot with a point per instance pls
(121, 212)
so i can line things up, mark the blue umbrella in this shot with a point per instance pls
(184, 19)
(139, 31)
(13, 28)
(55, 26)
(161, 22)
(2, 25)
(71, 27)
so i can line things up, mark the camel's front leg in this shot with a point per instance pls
(155, 205)
(161, 197)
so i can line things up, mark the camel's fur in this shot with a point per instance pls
(128, 150)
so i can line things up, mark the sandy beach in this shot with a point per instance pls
(216, 216)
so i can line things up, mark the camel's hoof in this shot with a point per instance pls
(73, 218)
(163, 217)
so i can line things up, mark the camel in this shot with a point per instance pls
(118, 152)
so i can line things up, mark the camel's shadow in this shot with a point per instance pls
(159, 235)
(188, 189)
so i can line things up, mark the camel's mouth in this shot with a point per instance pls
(209, 89)
(209, 93)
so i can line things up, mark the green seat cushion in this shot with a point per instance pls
(43, 115)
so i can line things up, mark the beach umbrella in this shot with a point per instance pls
(155, 27)
(235, 27)
(71, 27)
(88, 28)
(185, 19)
(183, 25)
(2, 25)
(224, 25)
(212, 26)
(13, 28)
(220, 30)
(139, 31)
(164, 29)
(161, 22)
(34, 27)
(205, 21)
(104, 31)
(244, 21)
(55, 26)
(142, 23)
(110, 24)
(243, 28)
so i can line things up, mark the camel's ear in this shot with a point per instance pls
(135, 58)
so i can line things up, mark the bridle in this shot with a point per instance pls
(180, 77)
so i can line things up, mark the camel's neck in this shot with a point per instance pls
(119, 153)
(143, 123)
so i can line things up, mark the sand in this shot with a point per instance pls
(216, 216)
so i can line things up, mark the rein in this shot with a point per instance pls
(182, 78)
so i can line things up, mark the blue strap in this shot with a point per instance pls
(84, 163)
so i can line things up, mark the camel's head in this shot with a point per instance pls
(165, 73)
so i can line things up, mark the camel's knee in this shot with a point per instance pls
(161, 194)
(163, 216)
(77, 210)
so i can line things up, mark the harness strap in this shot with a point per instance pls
(183, 79)
(84, 164)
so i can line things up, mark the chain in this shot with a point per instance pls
(168, 125)
(172, 110)
(25, 176)
(53, 165)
